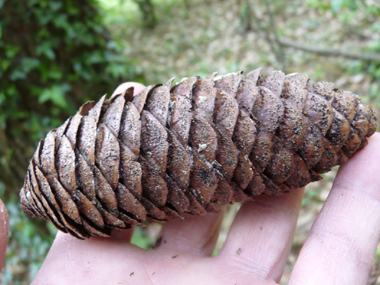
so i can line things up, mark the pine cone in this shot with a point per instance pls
(204, 142)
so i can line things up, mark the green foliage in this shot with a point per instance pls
(54, 55)
(63, 45)
(141, 239)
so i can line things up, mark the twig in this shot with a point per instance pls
(329, 52)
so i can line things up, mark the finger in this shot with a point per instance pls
(196, 235)
(342, 241)
(261, 235)
(4, 230)
(138, 87)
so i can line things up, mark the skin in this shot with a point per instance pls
(339, 249)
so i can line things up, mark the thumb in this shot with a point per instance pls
(4, 230)
(122, 87)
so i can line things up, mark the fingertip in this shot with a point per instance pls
(361, 171)
(138, 87)
(195, 235)
(372, 148)
(375, 136)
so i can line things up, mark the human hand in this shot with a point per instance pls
(339, 249)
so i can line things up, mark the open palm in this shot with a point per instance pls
(339, 249)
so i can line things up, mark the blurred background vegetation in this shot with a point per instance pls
(56, 54)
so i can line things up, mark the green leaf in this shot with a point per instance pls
(116, 69)
(95, 57)
(55, 6)
(11, 51)
(29, 63)
(352, 5)
(17, 75)
(336, 5)
(77, 67)
(71, 9)
(61, 21)
(5, 64)
(55, 73)
(43, 33)
(55, 94)
(46, 49)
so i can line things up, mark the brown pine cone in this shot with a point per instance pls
(204, 142)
